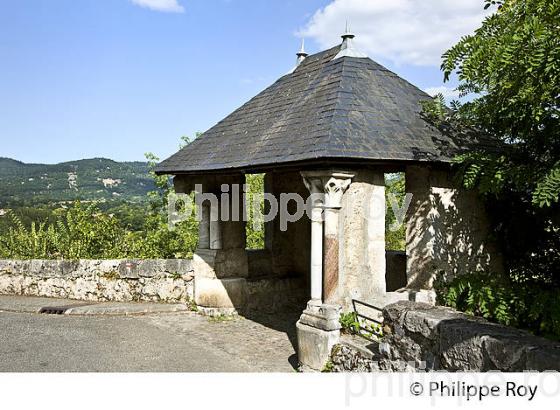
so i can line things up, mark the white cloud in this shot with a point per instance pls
(447, 92)
(169, 6)
(402, 31)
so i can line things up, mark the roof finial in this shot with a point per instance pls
(301, 55)
(347, 33)
(347, 48)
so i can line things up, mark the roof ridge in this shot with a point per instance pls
(347, 108)
(312, 85)
(399, 77)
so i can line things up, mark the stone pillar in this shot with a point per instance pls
(314, 184)
(318, 329)
(334, 189)
(220, 263)
(204, 228)
(376, 262)
(215, 228)
(317, 254)
(362, 241)
(447, 229)
(327, 188)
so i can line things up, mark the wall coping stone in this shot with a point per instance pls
(450, 340)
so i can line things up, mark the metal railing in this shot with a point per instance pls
(361, 315)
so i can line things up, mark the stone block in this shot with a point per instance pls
(130, 270)
(69, 267)
(12, 266)
(203, 263)
(259, 262)
(220, 293)
(315, 345)
(231, 263)
(45, 268)
(449, 340)
(321, 316)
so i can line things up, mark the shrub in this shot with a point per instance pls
(351, 324)
(255, 232)
(395, 240)
(526, 304)
(84, 232)
(79, 232)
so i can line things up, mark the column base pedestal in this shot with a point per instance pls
(318, 330)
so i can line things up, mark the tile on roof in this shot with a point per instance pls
(342, 109)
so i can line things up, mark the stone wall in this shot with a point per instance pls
(357, 354)
(168, 281)
(362, 263)
(447, 229)
(439, 338)
(269, 295)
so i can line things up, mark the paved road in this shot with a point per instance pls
(163, 342)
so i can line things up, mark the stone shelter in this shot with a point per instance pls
(333, 127)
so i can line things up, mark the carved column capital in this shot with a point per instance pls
(330, 184)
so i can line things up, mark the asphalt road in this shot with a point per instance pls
(168, 342)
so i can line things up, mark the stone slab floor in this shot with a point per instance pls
(157, 342)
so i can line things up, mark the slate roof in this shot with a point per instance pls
(342, 110)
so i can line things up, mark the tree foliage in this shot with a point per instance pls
(395, 239)
(509, 73)
(255, 226)
(85, 231)
(79, 232)
(532, 306)
(511, 66)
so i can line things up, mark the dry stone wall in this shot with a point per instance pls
(440, 338)
(165, 281)
(421, 337)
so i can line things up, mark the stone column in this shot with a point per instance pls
(315, 186)
(204, 257)
(327, 188)
(317, 255)
(318, 329)
(334, 189)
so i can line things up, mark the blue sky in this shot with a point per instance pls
(118, 78)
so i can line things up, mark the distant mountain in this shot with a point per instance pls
(87, 179)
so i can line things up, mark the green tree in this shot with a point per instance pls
(395, 239)
(255, 227)
(511, 66)
(509, 72)
(158, 240)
